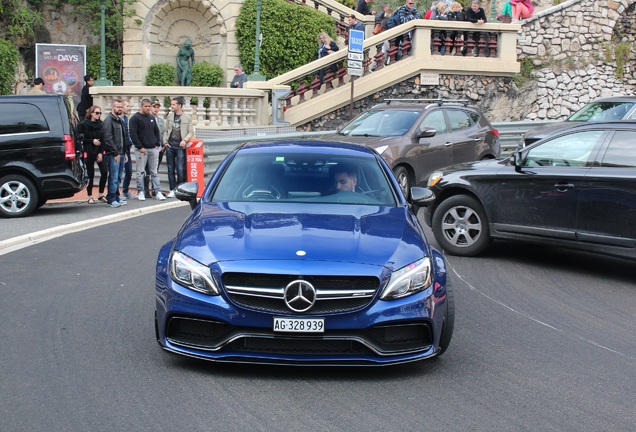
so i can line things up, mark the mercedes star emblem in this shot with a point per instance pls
(300, 296)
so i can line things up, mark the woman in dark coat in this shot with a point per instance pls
(326, 47)
(93, 147)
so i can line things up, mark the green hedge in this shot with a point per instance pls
(162, 74)
(205, 74)
(290, 35)
(9, 57)
(113, 63)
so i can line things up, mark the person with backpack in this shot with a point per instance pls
(405, 13)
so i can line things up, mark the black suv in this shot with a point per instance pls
(418, 136)
(575, 189)
(40, 157)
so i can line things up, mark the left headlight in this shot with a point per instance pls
(408, 280)
(434, 178)
(190, 273)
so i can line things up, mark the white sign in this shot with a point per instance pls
(354, 71)
(429, 78)
(355, 56)
(351, 64)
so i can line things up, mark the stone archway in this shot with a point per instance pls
(166, 24)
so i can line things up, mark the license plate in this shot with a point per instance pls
(299, 325)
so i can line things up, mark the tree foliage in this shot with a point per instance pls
(21, 22)
(290, 35)
(9, 57)
(113, 63)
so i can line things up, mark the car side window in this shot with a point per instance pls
(458, 119)
(573, 150)
(621, 152)
(434, 120)
(18, 118)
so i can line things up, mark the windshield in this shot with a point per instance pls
(306, 178)
(382, 123)
(602, 111)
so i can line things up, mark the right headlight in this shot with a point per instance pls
(193, 275)
(410, 279)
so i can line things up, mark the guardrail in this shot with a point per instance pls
(216, 149)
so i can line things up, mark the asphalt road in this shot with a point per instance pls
(545, 339)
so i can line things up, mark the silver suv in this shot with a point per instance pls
(418, 136)
(604, 109)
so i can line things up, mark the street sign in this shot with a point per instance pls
(354, 71)
(356, 41)
(355, 56)
(351, 64)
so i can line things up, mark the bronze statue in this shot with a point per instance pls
(184, 66)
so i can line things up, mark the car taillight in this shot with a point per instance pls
(495, 132)
(69, 148)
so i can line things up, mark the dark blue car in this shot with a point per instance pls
(302, 252)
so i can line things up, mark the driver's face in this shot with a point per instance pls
(344, 183)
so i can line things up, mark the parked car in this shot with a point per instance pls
(604, 109)
(277, 265)
(417, 136)
(40, 157)
(575, 189)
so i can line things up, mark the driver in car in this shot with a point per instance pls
(346, 178)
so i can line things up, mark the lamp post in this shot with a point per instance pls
(256, 76)
(493, 10)
(103, 81)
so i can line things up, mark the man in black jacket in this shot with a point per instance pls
(144, 134)
(114, 152)
(86, 100)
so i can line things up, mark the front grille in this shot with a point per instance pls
(221, 337)
(334, 294)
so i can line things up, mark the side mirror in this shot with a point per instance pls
(187, 192)
(427, 133)
(421, 197)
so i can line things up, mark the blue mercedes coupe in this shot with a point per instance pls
(302, 253)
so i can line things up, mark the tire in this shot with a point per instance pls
(449, 319)
(402, 176)
(18, 196)
(460, 226)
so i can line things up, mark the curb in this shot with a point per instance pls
(26, 240)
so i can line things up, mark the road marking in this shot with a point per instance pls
(26, 240)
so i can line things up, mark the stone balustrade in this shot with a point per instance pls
(490, 49)
(210, 107)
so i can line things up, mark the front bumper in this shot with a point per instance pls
(381, 333)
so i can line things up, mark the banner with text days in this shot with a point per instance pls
(62, 67)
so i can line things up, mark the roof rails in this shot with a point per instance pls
(438, 101)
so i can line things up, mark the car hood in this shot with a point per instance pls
(549, 129)
(383, 236)
(483, 165)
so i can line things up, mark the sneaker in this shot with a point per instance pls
(122, 201)
(160, 196)
(170, 195)
(115, 204)
(129, 196)
(141, 196)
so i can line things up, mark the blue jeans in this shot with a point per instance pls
(115, 170)
(175, 156)
(124, 181)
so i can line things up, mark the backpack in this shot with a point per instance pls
(394, 20)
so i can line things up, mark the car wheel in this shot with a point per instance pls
(18, 196)
(402, 176)
(461, 227)
(449, 320)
